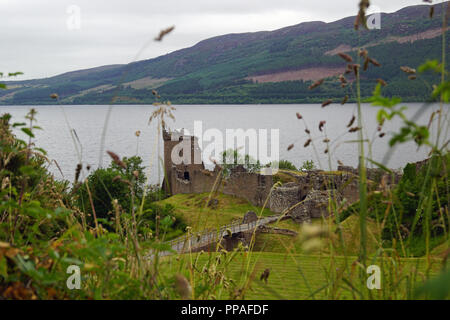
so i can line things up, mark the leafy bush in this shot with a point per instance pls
(28, 193)
(408, 219)
(160, 220)
(232, 158)
(286, 165)
(134, 172)
(308, 165)
(102, 187)
(42, 231)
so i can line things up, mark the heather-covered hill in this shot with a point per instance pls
(261, 67)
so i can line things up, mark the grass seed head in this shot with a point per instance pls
(374, 62)
(346, 57)
(183, 287)
(164, 32)
(342, 79)
(408, 70)
(307, 143)
(352, 120)
(382, 82)
(316, 84)
(349, 69)
(366, 64)
(327, 102)
(77, 172)
(116, 159)
(355, 68)
(361, 17)
(309, 231)
(321, 125)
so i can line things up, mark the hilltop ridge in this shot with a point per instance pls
(259, 67)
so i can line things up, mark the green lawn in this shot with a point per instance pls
(350, 234)
(295, 273)
(294, 276)
(194, 210)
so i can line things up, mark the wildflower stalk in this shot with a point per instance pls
(92, 207)
(362, 172)
(443, 65)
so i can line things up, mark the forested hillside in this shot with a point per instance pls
(263, 67)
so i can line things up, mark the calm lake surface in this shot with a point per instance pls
(125, 120)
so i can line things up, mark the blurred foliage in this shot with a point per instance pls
(232, 159)
(402, 210)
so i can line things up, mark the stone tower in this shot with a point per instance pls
(184, 150)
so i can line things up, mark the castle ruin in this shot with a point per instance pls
(306, 197)
(191, 176)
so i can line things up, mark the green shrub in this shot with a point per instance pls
(308, 165)
(134, 173)
(407, 215)
(232, 158)
(160, 220)
(286, 165)
(104, 186)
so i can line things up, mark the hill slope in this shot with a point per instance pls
(261, 67)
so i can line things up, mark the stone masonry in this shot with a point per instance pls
(308, 197)
(190, 176)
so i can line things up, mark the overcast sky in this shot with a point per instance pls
(43, 38)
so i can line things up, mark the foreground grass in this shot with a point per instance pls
(292, 276)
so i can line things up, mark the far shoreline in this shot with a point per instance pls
(206, 104)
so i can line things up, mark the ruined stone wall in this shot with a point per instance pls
(313, 187)
(311, 192)
(200, 181)
(251, 186)
(375, 174)
(309, 196)
(285, 197)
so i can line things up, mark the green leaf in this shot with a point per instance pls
(432, 65)
(381, 166)
(3, 267)
(28, 132)
(437, 288)
(14, 74)
(381, 115)
(442, 90)
(42, 151)
(27, 170)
